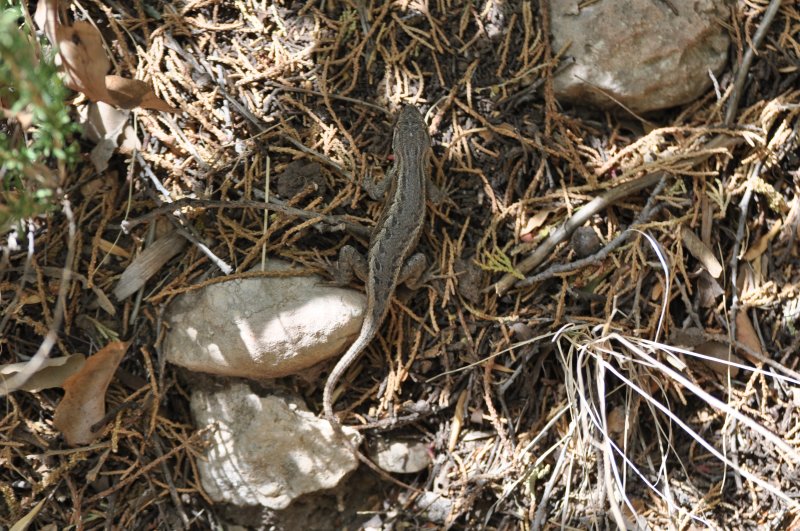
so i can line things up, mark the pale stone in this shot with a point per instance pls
(267, 451)
(639, 52)
(400, 456)
(262, 327)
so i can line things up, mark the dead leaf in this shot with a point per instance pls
(84, 59)
(708, 289)
(130, 93)
(746, 335)
(148, 264)
(84, 402)
(23, 118)
(760, 246)
(23, 523)
(722, 352)
(84, 62)
(534, 222)
(102, 123)
(52, 373)
(701, 252)
(46, 18)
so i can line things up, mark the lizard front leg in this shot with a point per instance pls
(350, 263)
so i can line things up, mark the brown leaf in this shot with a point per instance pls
(746, 335)
(148, 263)
(46, 18)
(722, 352)
(84, 59)
(760, 246)
(701, 251)
(130, 93)
(84, 402)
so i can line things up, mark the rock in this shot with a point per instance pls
(262, 327)
(638, 51)
(400, 456)
(266, 451)
(433, 507)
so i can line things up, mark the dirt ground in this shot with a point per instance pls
(572, 399)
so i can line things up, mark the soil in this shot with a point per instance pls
(567, 400)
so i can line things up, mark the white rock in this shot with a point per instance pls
(262, 327)
(400, 456)
(266, 451)
(434, 507)
(639, 51)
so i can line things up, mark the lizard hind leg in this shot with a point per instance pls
(412, 272)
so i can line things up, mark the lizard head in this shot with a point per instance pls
(410, 130)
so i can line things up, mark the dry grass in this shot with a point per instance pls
(592, 424)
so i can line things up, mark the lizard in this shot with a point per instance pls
(390, 260)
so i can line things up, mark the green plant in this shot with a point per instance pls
(35, 126)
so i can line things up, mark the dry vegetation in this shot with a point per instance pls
(574, 397)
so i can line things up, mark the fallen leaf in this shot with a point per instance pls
(535, 221)
(130, 93)
(148, 263)
(52, 373)
(102, 123)
(84, 59)
(25, 522)
(761, 244)
(701, 252)
(84, 402)
(746, 335)
(84, 62)
(722, 352)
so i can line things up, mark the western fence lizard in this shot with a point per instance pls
(389, 261)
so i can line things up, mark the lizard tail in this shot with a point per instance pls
(363, 339)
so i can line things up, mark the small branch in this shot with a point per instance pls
(579, 218)
(648, 210)
(747, 60)
(274, 204)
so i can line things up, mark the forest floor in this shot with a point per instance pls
(573, 397)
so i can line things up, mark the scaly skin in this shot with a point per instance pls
(389, 261)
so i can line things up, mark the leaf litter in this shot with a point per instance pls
(581, 420)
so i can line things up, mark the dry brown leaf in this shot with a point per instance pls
(746, 335)
(24, 523)
(23, 118)
(85, 63)
(84, 402)
(46, 18)
(130, 93)
(52, 373)
(761, 245)
(700, 250)
(84, 60)
(148, 263)
(722, 352)
(534, 222)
